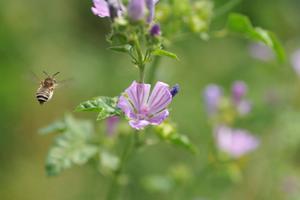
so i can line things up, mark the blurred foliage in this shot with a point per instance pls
(241, 24)
(65, 36)
(72, 146)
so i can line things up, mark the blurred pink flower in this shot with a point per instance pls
(136, 9)
(212, 97)
(100, 8)
(243, 107)
(261, 52)
(107, 8)
(239, 90)
(144, 109)
(235, 142)
(111, 125)
(295, 60)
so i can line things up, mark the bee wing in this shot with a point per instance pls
(63, 83)
(32, 77)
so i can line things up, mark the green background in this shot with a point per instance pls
(65, 36)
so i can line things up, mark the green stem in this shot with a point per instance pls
(140, 59)
(226, 8)
(114, 189)
(153, 69)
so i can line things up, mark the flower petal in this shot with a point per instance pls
(160, 98)
(138, 124)
(235, 142)
(136, 9)
(212, 97)
(100, 8)
(159, 117)
(243, 107)
(126, 107)
(243, 142)
(138, 94)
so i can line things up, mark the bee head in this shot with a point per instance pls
(49, 82)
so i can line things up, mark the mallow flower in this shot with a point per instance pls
(239, 91)
(295, 60)
(107, 8)
(235, 142)
(261, 52)
(143, 107)
(137, 9)
(212, 98)
(111, 125)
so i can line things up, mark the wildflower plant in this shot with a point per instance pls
(232, 143)
(143, 30)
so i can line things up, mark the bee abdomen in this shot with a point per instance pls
(43, 96)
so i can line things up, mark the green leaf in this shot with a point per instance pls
(58, 126)
(167, 132)
(160, 52)
(106, 106)
(109, 162)
(158, 183)
(182, 141)
(72, 147)
(121, 48)
(241, 24)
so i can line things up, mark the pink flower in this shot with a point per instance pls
(111, 125)
(235, 142)
(295, 59)
(239, 90)
(212, 98)
(100, 8)
(261, 52)
(108, 8)
(142, 108)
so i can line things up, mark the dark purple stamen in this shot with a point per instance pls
(175, 89)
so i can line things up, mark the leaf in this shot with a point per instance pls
(109, 162)
(167, 132)
(241, 24)
(106, 106)
(72, 147)
(121, 48)
(58, 126)
(158, 183)
(160, 52)
(182, 141)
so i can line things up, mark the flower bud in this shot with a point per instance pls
(136, 9)
(239, 90)
(155, 30)
(174, 90)
(212, 98)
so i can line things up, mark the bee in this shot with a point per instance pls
(47, 86)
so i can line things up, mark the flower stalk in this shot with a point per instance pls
(140, 60)
(114, 189)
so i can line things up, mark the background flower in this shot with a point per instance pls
(212, 97)
(100, 8)
(111, 125)
(136, 9)
(295, 60)
(235, 142)
(261, 52)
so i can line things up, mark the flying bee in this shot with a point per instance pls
(46, 89)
